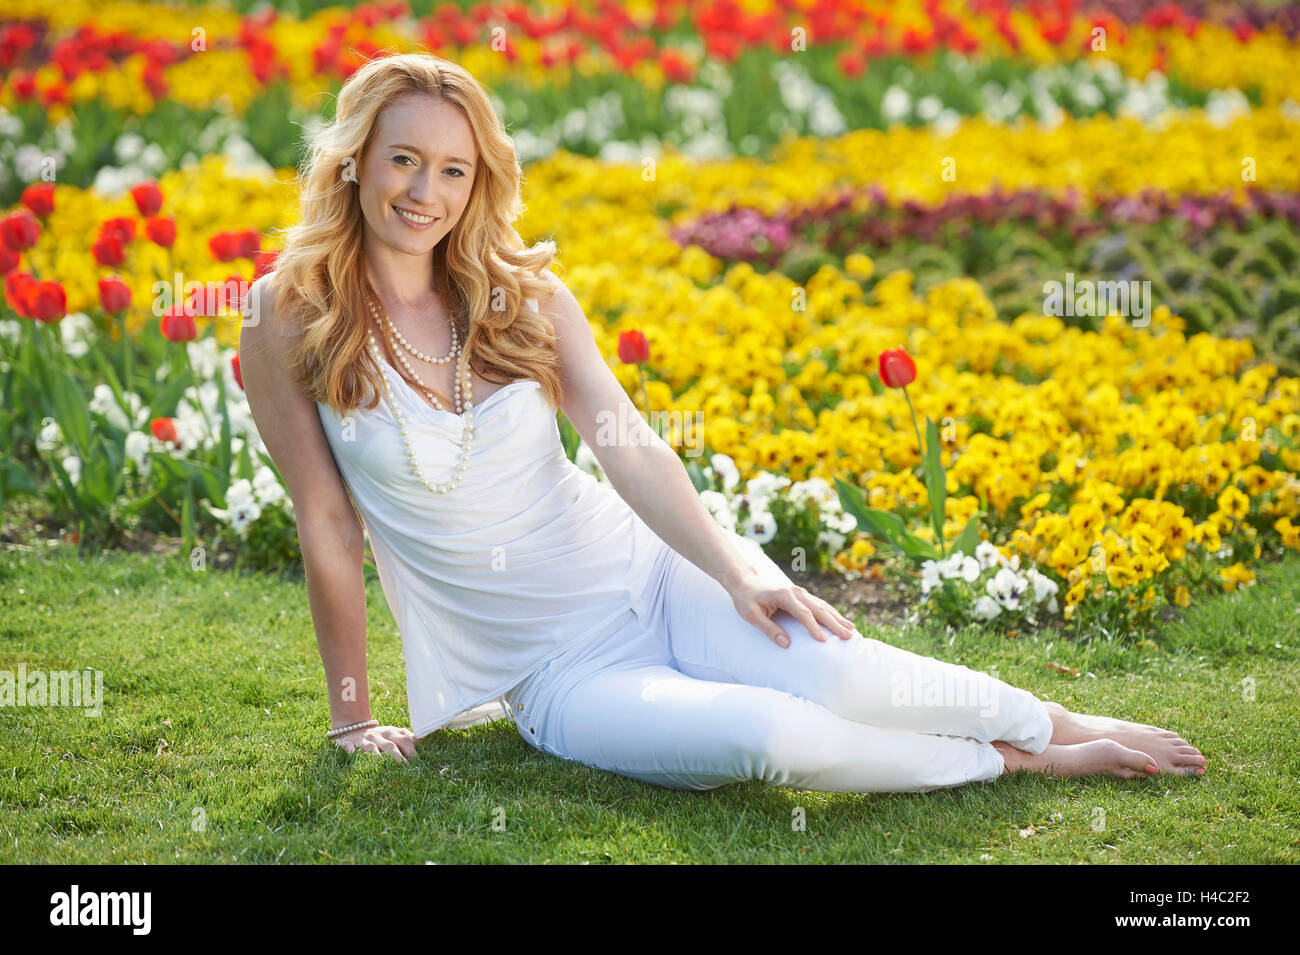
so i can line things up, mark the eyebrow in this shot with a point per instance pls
(463, 162)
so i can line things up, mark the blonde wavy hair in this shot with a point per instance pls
(482, 269)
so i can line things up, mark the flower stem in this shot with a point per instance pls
(920, 450)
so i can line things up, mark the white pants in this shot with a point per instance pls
(694, 697)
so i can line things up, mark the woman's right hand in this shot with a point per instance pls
(397, 741)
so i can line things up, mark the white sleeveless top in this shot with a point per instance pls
(528, 554)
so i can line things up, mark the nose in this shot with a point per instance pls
(424, 190)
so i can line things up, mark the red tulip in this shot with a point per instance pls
(8, 259)
(17, 285)
(160, 231)
(178, 325)
(234, 366)
(47, 301)
(224, 246)
(897, 370)
(39, 197)
(24, 87)
(851, 64)
(633, 348)
(114, 294)
(164, 429)
(122, 227)
(233, 291)
(264, 264)
(155, 80)
(20, 230)
(250, 243)
(148, 197)
(108, 250)
(56, 92)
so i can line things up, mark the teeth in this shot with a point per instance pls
(419, 220)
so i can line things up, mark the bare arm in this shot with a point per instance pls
(330, 534)
(648, 474)
(645, 470)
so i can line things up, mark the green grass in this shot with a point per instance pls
(225, 670)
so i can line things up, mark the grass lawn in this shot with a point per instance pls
(210, 747)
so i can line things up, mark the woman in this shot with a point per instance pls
(410, 352)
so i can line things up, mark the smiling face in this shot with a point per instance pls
(416, 175)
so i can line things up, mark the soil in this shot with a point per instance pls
(869, 599)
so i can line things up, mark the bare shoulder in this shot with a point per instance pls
(287, 419)
(260, 325)
(564, 311)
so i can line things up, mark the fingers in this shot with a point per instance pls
(393, 741)
(824, 614)
(390, 747)
(774, 632)
(803, 613)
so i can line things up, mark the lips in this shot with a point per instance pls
(414, 218)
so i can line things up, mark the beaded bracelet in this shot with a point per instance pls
(348, 729)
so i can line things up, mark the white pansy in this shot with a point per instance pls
(1044, 586)
(267, 486)
(841, 521)
(10, 330)
(586, 459)
(930, 576)
(104, 402)
(137, 448)
(833, 541)
(928, 107)
(986, 608)
(725, 468)
(128, 146)
(817, 490)
(1008, 588)
(239, 493)
(720, 508)
(762, 488)
(987, 553)
(896, 104)
(72, 464)
(203, 356)
(760, 526)
(76, 331)
(243, 514)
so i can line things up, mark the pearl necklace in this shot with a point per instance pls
(393, 330)
(467, 437)
(414, 374)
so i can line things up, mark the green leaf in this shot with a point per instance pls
(969, 538)
(696, 473)
(935, 482)
(187, 519)
(884, 524)
(569, 436)
(223, 446)
(70, 409)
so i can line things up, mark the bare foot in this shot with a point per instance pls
(1171, 753)
(1095, 757)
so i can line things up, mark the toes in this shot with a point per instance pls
(1140, 763)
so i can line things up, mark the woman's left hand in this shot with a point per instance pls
(757, 599)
